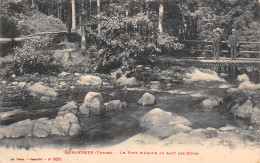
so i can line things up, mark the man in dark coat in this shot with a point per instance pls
(216, 43)
(233, 43)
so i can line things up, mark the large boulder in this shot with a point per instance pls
(90, 80)
(38, 88)
(70, 107)
(155, 117)
(20, 129)
(243, 111)
(62, 124)
(115, 105)
(211, 102)
(163, 124)
(93, 104)
(42, 127)
(147, 99)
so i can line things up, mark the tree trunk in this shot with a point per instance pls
(73, 26)
(33, 4)
(98, 10)
(160, 27)
(59, 10)
(83, 39)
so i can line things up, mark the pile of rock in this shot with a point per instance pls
(65, 124)
(244, 100)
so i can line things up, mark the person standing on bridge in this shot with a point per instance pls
(233, 43)
(216, 43)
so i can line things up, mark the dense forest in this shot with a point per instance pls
(124, 32)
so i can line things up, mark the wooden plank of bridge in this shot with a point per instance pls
(205, 41)
(210, 61)
(222, 51)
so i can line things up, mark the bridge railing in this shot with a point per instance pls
(223, 51)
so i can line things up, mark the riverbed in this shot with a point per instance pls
(117, 126)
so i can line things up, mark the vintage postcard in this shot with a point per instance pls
(129, 81)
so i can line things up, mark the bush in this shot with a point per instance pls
(30, 58)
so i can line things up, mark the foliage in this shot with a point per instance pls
(128, 39)
(31, 57)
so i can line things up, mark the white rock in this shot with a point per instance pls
(42, 127)
(90, 80)
(77, 74)
(72, 87)
(15, 83)
(249, 85)
(163, 124)
(115, 105)
(245, 110)
(63, 74)
(180, 120)
(70, 107)
(223, 75)
(242, 78)
(118, 71)
(155, 117)
(22, 84)
(198, 76)
(3, 82)
(93, 104)
(127, 81)
(20, 129)
(147, 99)
(62, 125)
(38, 88)
(63, 83)
(45, 98)
(72, 118)
(75, 129)
(211, 102)
(228, 128)
(13, 76)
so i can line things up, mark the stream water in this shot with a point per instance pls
(115, 127)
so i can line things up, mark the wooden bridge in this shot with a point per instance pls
(196, 61)
(223, 61)
(208, 61)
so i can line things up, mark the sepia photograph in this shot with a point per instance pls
(115, 81)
